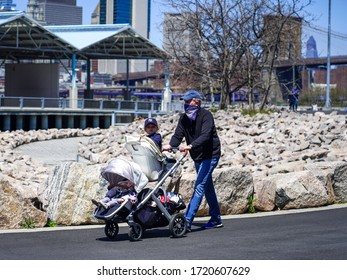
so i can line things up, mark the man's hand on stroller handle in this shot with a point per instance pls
(167, 148)
(181, 148)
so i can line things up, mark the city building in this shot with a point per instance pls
(178, 39)
(133, 12)
(311, 48)
(318, 78)
(7, 5)
(55, 12)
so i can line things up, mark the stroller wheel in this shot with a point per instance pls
(178, 225)
(111, 229)
(135, 232)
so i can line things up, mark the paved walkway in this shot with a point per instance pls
(53, 152)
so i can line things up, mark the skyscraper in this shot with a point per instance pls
(55, 12)
(311, 48)
(7, 5)
(133, 12)
(178, 38)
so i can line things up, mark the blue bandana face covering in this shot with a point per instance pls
(190, 111)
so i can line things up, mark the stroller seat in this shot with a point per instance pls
(121, 210)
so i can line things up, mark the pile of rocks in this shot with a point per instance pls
(23, 181)
(262, 144)
(281, 160)
(285, 153)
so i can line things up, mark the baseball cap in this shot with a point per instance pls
(151, 121)
(190, 94)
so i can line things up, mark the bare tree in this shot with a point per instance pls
(227, 43)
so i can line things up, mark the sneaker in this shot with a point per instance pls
(188, 226)
(213, 224)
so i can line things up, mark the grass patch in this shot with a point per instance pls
(50, 223)
(28, 223)
(250, 204)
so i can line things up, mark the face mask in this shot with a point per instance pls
(191, 111)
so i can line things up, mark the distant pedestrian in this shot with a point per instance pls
(294, 98)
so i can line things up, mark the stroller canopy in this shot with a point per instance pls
(120, 168)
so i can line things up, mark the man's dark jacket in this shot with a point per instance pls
(201, 134)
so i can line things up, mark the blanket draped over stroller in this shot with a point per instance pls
(120, 168)
(147, 155)
(115, 172)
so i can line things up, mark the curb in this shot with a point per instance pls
(197, 219)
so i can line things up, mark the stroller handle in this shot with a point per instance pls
(175, 149)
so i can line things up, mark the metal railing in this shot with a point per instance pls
(97, 104)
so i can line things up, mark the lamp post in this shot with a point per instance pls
(327, 98)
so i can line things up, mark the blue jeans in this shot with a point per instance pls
(204, 186)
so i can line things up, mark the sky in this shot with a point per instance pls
(319, 10)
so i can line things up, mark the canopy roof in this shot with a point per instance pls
(21, 37)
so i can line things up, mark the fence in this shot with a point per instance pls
(63, 103)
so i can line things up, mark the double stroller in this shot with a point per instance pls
(155, 206)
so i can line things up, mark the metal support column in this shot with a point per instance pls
(107, 122)
(44, 121)
(113, 118)
(73, 89)
(7, 122)
(327, 98)
(58, 121)
(71, 121)
(33, 121)
(19, 122)
(88, 75)
(166, 101)
(96, 121)
(83, 121)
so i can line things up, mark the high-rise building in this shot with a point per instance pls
(179, 39)
(55, 12)
(311, 48)
(7, 5)
(133, 12)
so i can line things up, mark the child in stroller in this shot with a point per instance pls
(117, 194)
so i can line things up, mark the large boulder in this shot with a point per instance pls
(264, 194)
(340, 183)
(17, 211)
(233, 188)
(71, 187)
(299, 190)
